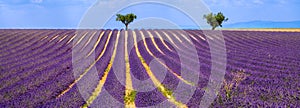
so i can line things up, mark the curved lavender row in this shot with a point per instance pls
(102, 63)
(104, 60)
(144, 99)
(35, 58)
(253, 36)
(233, 60)
(56, 85)
(154, 97)
(2, 33)
(168, 59)
(14, 43)
(36, 53)
(228, 43)
(27, 72)
(71, 98)
(62, 47)
(238, 101)
(32, 85)
(21, 56)
(201, 46)
(19, 38)
(198, 40)
(273, 81)
(281, 48)
(118, 95)
(254, 64)
(242, 41)
(48, 65)
(81, 51)
(204, 54)
(27, 80)
(244, 47)
(203, 51)
(61, 87)
(185, 51)
(101, 44)
(43, 35)
(112, 85)
(16, 34)
(32, 88)
(20, 47)
(268, 62)
(16, 38)
(170, 80)
(171, 55)
(32, 49)
(282, 38)
(237, 55)
(8, 36)
(199, 43)
(171, 59)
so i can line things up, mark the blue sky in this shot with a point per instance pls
(68, 13)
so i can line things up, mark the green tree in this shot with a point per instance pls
(126, 19)
(215, 20)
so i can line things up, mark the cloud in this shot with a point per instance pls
(248, 3)
(36, 1)
(258, 2)
(42, 13)
(69, 2)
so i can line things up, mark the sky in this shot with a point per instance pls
(69, 13)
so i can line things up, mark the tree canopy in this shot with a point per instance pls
(215, 20)
(126, 19)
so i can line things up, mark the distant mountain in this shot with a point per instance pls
(264, 24)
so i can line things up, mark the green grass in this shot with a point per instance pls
(131, 97)
(165, 91)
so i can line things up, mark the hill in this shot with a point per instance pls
(264, 24)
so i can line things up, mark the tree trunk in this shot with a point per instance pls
(213, 28)
(126, 26)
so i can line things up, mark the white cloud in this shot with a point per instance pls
(36, 1)
(282, 2)
(258, 2)
(228, 3)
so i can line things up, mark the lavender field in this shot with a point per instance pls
(37, 68)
